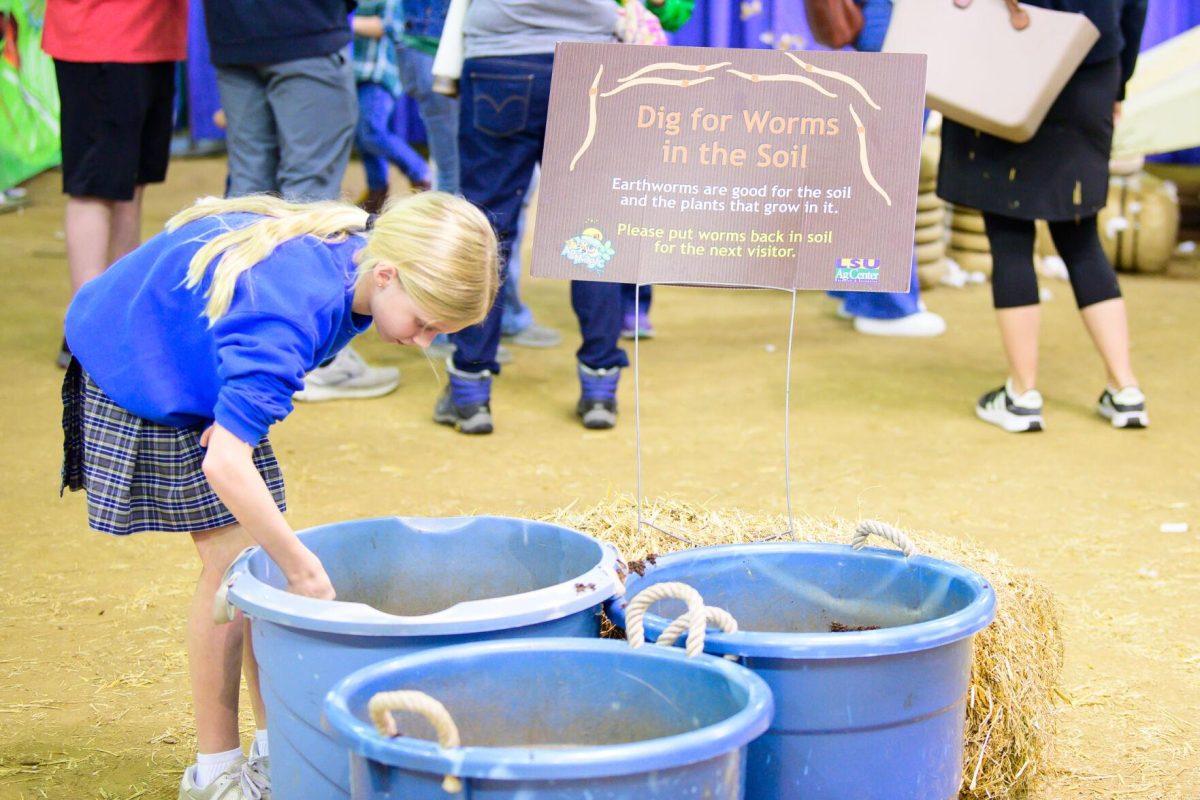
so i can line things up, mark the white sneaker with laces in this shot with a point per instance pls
(227, 786)
(1014, 413)
(347, 377)
(1124, 408)
(256, 775)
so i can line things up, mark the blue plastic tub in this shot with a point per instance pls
(571, 719)
(860, 715)
(403, 585)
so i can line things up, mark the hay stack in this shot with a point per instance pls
(969, 246)
(1018, 658)
(929, 238)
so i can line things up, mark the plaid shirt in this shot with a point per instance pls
(375, 59)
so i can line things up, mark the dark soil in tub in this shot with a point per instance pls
(837, 627)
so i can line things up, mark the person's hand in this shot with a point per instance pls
(204, 437)
(1117, 111)
(310, 579)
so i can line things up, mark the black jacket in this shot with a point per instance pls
(1120, 23)
(242, 32)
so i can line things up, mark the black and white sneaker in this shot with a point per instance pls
(1124, 408)
(1012, 412)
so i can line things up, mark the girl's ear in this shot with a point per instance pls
(383, 273)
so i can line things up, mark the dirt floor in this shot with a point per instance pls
(93, 681)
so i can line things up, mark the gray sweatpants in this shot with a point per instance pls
(290, 126)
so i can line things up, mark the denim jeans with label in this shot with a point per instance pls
(503, 105)
(438, 112)
(378, 144)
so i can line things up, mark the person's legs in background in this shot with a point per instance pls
(635, 311)
(1098, 296)
(116, 132)
(598, 307)
(375, 136)
(1017, 405)
(252, 140)
(503, 104)
(438, 112)
(517, 325)
(315, 108)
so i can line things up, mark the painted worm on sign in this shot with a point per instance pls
(591, 132)
(837, 76)
(673, 66)
(682, 83)
(862, 156)
(783, 77)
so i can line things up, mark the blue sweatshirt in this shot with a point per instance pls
(142, 338)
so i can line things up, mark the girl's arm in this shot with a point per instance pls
(229, 467)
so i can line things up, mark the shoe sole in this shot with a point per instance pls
(462, 426)
(1013, 423)
(598, 421)
(642, 335)
(319, 394)
(1124, 419)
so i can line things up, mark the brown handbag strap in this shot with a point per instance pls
(1018, 16)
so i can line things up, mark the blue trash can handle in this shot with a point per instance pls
(694, 621)
(885, 531)
(382, 704)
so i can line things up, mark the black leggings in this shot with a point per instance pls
(1014, 281)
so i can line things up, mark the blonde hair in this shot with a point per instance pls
(443, 248)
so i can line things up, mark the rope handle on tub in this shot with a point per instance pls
(383, 704)
(713, 615)
(694, 620)
(881, 529)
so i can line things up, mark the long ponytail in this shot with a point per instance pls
(443, 248)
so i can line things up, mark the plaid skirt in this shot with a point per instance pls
(139, 475)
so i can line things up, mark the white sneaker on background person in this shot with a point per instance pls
(347, 377)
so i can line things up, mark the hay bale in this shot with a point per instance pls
(931, 151)
(929, 201)
(931, 274)
(968, 220)
(935, 216)
(929, 233)
(1018, 658)
(975, 242)
(972, 261)
(928, 253)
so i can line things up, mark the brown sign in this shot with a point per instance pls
(730, 167)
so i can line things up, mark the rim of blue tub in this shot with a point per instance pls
(260, 600)
(541, 763)
(971, 619)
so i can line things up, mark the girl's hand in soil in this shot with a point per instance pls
(311, 580)
(229, 468)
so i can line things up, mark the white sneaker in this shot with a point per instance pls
(1125, 408)
(920, 324)
(347, 377)
(256, 775)
(1014, 413)
(227, 786)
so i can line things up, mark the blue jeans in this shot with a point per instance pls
(501, 132)
(633, 301)
(438, 112)
(378, 144)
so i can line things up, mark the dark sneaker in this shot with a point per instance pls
(1125, 408)
(465, 403)
(636, 324)
(1014, 413)
(597, 407)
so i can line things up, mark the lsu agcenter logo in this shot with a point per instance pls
(857, 270)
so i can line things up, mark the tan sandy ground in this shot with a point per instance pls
(93, 683)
